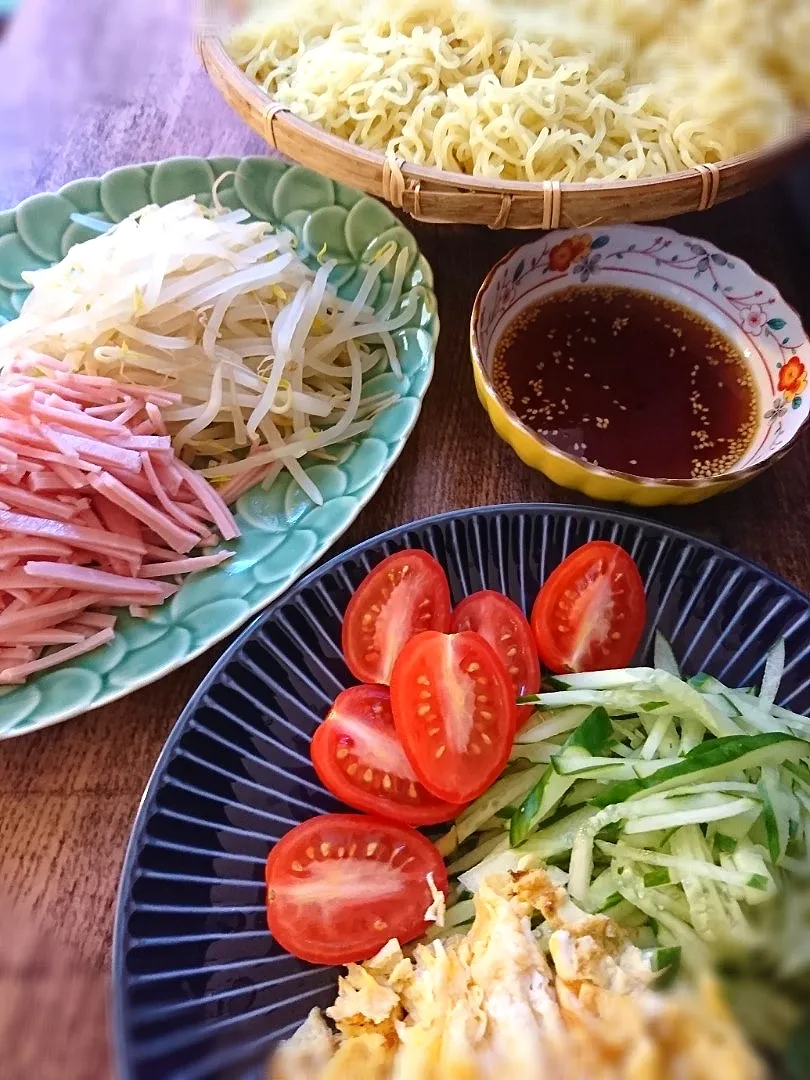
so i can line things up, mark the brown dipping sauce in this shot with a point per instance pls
(628, 380)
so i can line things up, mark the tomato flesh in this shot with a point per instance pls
(501, 622)
(406, 594)
(339, 886)
(454, 712)
(591, 611)
(358, 756)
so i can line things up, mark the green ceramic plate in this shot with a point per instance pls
(282, 531)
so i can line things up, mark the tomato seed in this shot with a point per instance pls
(376, 709)
(325, 849)
(473, 667)
(412, 792)
(371, 849)
(440, 751)
(506, 637)
(433, 731)
(423, 680)
(481, 698)
(511, 652)
(475, 748)
(368, 776)
(351, 768)
(310, 852)
(341, 852)
(485, 715)
(380, 925)
(513, 670)
(485, 738)
(297, 866)
(422, 710)
(386, 782)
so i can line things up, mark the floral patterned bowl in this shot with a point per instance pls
(725, 291)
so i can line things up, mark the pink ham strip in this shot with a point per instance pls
(117, 520)
(22, 547)
(103, 453)
(21, 672)
(15, 652)
(20, 499)
(109, 412)
(220, 515)
(160, 444)
(181, 540)
(138, 612)
(99, 581)
(81, 422)
(98, 619)
(153, 412)
(172, 508)
(21, 596)
(13, 623)
(75, 535)
(60, 636)
(184, 566)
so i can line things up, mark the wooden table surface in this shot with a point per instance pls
(100, 83)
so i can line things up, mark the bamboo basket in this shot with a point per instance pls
(432, 195)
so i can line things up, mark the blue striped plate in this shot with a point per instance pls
(202, 991)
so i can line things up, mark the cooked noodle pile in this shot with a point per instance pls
(564, 89)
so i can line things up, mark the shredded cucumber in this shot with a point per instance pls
(680, 807)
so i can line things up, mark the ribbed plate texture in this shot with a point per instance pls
(202, 991)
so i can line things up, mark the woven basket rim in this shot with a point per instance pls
(211, 47)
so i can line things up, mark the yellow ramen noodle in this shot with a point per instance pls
(565, 90)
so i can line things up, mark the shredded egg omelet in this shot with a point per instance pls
(505, 1001)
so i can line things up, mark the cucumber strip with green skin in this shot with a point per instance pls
(605, 768)
(476, 855)
(589, 738)
(654, 878)
(799, 772)
(539, 753)
(774, 814)
(698, 816)
(737, 879)
(664, 959)
(711, 760)
(511, 787)
(563, 721)
(725, 843)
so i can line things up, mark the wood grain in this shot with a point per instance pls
(114, 82)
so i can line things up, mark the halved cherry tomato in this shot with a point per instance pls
(405, 594)
(501, 622)
(454, 712)
(339, 886)
(358, 756)
(590, 613)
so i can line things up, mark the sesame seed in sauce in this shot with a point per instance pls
(626, 397)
